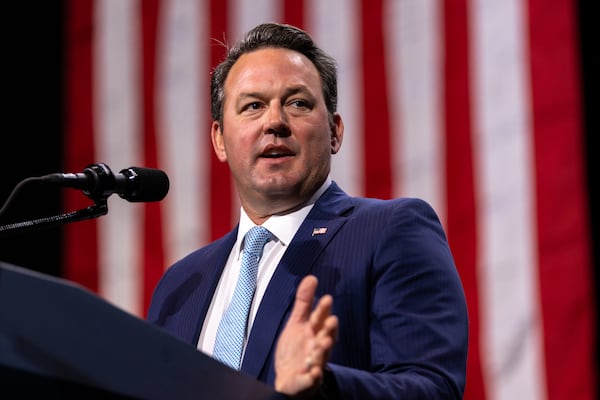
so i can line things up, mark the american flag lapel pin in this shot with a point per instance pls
(319, 231)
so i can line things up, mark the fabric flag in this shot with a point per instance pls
(472, 105)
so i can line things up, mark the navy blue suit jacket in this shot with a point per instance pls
(398, 297)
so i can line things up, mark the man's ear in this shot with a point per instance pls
(216, 135)
(337, 133)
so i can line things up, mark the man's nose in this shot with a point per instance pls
(277, 122)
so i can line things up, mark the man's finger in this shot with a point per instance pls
(321, 312)
(305, 295)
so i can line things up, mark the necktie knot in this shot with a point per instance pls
(255, 240)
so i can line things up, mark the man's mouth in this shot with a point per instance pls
(276, 155)
(277, 152)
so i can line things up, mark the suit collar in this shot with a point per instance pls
(320, 226)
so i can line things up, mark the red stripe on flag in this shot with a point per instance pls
(293, 13)
(376, 136)
(220, 179)
(80, 239)
(462, 224)
(153, 257)
(562, 210)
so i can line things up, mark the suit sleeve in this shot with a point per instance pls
(418, 326)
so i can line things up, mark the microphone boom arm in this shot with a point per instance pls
(99, 208)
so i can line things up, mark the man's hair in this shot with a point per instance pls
(273, 35)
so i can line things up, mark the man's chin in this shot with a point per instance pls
(279, 186)
(281, 191)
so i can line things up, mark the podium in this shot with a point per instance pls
(60, 340)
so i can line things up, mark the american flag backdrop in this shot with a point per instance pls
(472, 105)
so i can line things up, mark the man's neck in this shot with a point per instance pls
(260, 216)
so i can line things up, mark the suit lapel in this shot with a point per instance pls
(319, 227)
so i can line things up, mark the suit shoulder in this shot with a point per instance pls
(402, 205)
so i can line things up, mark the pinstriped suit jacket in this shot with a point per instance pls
(398, 297)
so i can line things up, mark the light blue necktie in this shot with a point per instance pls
(231, 332)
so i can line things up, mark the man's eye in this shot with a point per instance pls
(299, 104)
(252, 106)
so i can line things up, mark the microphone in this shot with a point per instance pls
(134, 184)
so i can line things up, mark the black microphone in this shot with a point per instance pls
(134, 184)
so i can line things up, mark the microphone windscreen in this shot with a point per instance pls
(145, 184)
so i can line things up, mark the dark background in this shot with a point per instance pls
(32, 124)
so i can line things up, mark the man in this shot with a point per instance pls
(392, 319)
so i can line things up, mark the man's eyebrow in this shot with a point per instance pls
(292, 90)
(288, 92)
(245, 95)
(297, 89)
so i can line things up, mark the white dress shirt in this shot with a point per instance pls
(283, 229)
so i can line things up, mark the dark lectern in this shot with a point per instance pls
(59, 340)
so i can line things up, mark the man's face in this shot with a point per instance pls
(276, 134)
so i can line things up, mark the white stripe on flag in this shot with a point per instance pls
(333, 25)
(244, 15)
(511, 321)
(416, 96)
(117, 141)
(182, 123)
